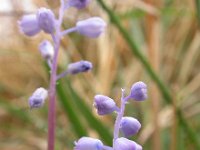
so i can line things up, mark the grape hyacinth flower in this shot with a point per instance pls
(38, 98)
(46, 50)
(139, 91)
(91, 27)
(45, 20)
(79, 4)
(88, 143)
(29, 25)
(129, 126)
(104, 105)
(126, 144)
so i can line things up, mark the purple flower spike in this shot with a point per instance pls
(46, 50)
(80, 66)
(104, 105)
(29, 25)
(125, 144)
(129, 126)
(79, 4)
(88, 143)
(91, 27)
(46, 20)
(139, 91)
(38, 98)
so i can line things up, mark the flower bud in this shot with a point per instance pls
(129, 126)
(80, 66)
(139, 91)
(104, 105)
(46, 50)
(46, 20)
(91, 27)
(125, 144)
(38, 98)
(79, 4)
(29, 25)
(88, 143)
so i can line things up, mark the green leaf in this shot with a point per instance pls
(73, 115)
(91, 119)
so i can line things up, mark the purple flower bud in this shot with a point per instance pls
(29, 25)
(46, 20)
(104, 105)
(88, 143)
(46, 50)
(139, 91)
(129, 126)
(79, 4)
(138, 147)
(38, 97)
(91, 27)
(80, 66)
(125, 144)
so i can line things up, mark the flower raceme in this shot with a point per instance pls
(129, 126)
(45, 20)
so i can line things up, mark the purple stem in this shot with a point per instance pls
(52, 89)
(120, 114)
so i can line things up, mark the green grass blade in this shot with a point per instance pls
(73, 115)
(91, 119)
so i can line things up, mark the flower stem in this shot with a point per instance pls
(120, 114)
(52, 89)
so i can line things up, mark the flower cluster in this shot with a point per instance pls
(128, 126)
(44, 20)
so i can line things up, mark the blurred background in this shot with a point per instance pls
(155, 41)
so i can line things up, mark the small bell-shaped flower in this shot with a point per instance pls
(91, 27)
(88, 143)
(129, 126)
(46, 20)
(80, 66)
(79, 4)
(125, 144)
(29, 25)
(38, 98)
(139, 91)
(46, 50)
(104, 105)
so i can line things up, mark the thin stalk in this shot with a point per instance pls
(52, 89)
(164, 90)
(120, 114)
